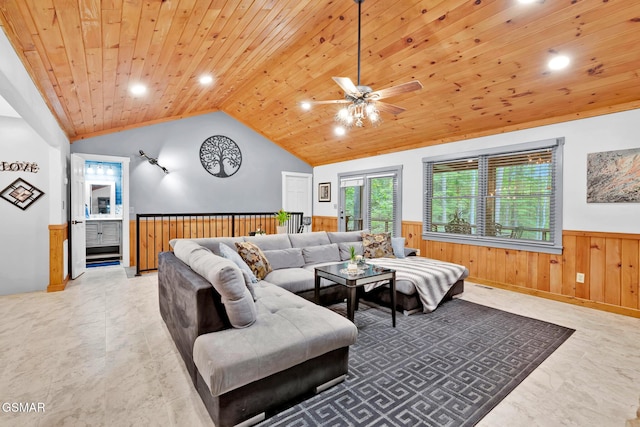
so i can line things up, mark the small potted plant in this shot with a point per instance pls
(352, 267)
(282, 217)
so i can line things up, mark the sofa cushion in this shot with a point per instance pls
(296, 280)
(211, 243)
(288, 331)
(292, 279)
(248, 280)
(255, 259)
(285, 258)
(226, 278)
(303, 240)
(322, 253)
(346, 236)
(345, 249)
(231, 254)
(182, 248)
(377, 245)
(270, 242)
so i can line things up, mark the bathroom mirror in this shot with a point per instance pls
(101, 196)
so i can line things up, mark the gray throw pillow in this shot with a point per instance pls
(270, 241)
(345, 249)
(322, 253)
(285, 258)
(346, 236)
(232, 255)
(397, 243)
(304, 240)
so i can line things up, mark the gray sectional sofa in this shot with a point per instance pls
(252, 348)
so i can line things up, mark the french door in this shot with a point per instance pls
(371, 200)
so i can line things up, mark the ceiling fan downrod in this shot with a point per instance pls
(359, 23)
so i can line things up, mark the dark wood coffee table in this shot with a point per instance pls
(369, 274)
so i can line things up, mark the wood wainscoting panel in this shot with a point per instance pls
(132, 243)
(324, 223)
(610, 262)
(630, 257)
(58, 233)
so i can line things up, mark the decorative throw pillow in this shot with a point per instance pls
(255, 259)
(377, 245)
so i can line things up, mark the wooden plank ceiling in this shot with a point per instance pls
(482, 64)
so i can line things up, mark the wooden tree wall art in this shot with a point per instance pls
(220, 156)
(21, 194)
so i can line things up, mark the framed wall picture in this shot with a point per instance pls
(613, 176)
(324, 192)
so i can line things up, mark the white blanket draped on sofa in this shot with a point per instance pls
(432, 278)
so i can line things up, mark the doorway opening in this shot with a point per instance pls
(100, 212)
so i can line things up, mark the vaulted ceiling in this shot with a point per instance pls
(482, 64)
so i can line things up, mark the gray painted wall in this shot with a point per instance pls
(189, 188)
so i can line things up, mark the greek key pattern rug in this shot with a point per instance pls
(446, 368)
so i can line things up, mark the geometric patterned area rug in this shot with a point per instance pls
(446, 368)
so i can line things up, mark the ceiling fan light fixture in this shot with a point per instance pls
(363, 103)
(356, 114)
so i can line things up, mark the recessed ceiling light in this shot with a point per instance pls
(340, 131)
(527, 1)
(205, 79)
(138, 89)
(558, 62)
(305, 105)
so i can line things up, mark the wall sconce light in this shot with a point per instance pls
(153, 161)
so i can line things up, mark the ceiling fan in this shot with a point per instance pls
(363, 102)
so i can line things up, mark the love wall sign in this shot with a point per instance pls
(19, 167)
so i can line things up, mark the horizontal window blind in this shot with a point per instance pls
(352, 182)
(496, 196)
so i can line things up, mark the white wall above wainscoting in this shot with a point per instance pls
(616, 131)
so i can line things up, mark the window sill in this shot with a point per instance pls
(521, 245)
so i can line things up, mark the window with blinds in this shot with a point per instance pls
(496, 197)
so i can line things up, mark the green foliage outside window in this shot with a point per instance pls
(514, 191)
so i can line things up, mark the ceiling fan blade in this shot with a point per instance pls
(330, 101)
(347, 85)
(395, 90)
(389, 108)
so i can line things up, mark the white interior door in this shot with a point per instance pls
(297, 192)
(78, 224)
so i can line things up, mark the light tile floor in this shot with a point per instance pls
(98, 353)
